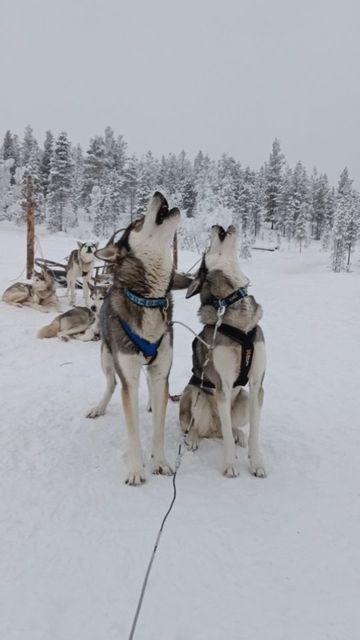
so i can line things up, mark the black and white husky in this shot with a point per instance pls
(80, 265)
(40, 294)
(81, 323)
(135, 330)
(214, 403)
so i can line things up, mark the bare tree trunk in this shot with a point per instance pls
(30, 230)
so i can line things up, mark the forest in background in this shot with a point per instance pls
(104, 188)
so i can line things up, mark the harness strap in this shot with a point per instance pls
(247, 342)
(219, 303)
(148, 349)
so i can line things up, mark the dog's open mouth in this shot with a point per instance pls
(164, 213)
(220, 232)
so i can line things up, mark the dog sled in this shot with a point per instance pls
(58, 271)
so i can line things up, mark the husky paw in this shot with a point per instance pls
(162, 468)
(135, 477)
(95, 412)
(240, 437)
(192, 443)
(231, 470)
(65, 338)
(257, 466)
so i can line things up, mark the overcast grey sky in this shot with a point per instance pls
(225, 76)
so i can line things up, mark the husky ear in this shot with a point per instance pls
(80, 244)
(110, 253)
(195, 287)
(92, 287)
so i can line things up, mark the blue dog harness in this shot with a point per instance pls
(148, 349)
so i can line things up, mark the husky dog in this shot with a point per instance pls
(135, 328)
(80, 265)
(40, 294)
(81, 323)
(214, 403)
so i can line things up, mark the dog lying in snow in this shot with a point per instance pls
(214, 402)
(81, 323)
(80, 265)
(40, 294)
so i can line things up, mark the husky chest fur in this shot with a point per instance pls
(134, 323)
(214, 402)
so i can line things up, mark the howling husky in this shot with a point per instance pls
(214, 402)
(40, 294)
(80, 265)
(135, 328)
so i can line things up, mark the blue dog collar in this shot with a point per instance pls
(153, 303)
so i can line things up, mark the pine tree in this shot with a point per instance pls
(302, 224)
(273, 184)
(45, 165)
(59, 192)
(345, 223)
(94, 168)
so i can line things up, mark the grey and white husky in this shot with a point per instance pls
(81, 323)
(80, 265)
(135, 328)
(214, 402)
(40, 294)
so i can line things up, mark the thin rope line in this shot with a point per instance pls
(144, 585)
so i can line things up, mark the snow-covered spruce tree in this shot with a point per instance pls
(59, 191)
(45, 164)
(30, 162)
(274, 184)
(77, 178)
(130, 186)
(96, 211)
(259, 200)
(11, 151)
(301, 222)
(245, 209)
(345, 223)
(319, 190)
(94, 169)
(147, 181)
(328, 222)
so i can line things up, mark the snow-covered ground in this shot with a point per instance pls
(242, 559)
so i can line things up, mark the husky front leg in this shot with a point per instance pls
(107, 364)
(159, 394)
(71, 280)
(130, 374)
(86, 280)
(223, 399)
(256, 396)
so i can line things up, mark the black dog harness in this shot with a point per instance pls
(247, 342)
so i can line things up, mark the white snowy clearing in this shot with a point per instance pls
(242, 559)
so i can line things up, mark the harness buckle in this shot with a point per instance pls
(221, 309)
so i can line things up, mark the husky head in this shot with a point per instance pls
(97, 295)
(42, 280)
(219, 273)
(147, 237)
(87, 250)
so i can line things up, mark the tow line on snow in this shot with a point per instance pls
(156, 545)
(180, 453)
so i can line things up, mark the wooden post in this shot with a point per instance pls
(30, 230)
(175, 251)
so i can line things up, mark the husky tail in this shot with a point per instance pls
(50, 330)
